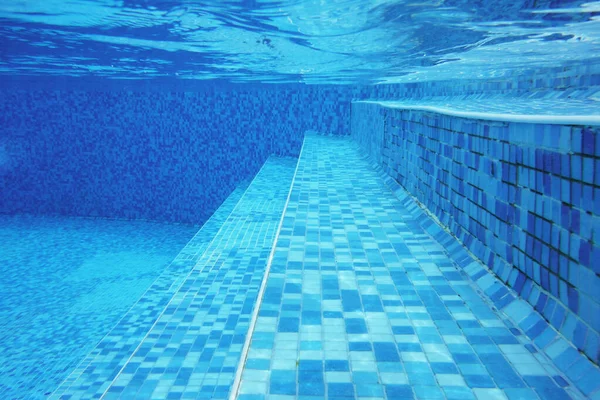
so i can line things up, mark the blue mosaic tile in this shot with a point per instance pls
(56, 272)
(516, 206)
(423, 343)
(95, 372)
(195, 343)
(96, 152)
(535, 187)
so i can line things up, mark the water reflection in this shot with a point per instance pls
(340, 41)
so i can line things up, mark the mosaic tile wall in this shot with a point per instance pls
(148, 155)
(524, 198)
(173, 151)
(575, 81)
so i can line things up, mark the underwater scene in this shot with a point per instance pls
(300, 199)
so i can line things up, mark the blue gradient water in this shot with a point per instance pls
(342, 41)
(320, 275)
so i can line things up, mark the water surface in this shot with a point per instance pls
(334, 41)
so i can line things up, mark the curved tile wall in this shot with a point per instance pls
(524, 198)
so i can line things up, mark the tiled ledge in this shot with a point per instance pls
(506, 109)
(194, 346)
(362, 301)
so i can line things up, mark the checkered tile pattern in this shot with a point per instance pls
(194, 347)
(97, 370)
(362, 302)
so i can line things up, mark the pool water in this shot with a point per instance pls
(300, 199)
(333, 42)
(65, 282)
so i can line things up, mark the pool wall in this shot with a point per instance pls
(155, 155)
(524, 198)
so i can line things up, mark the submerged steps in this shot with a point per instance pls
(94, 373)
(194, 346)
(216, 274)
(362, 301)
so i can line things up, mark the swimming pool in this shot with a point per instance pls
(65, 283)
(378, 199)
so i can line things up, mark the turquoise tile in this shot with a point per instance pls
(379, 228)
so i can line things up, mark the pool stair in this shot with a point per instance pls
(330, 280)
(247, 218)
(369, 297)
(111, 353)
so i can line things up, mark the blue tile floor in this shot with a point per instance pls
(194, 346)
(97, 370)
(362, 302)
(64, 283)
(366, 298)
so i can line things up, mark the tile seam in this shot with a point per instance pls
(246, 349)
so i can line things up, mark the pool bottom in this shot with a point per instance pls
(364, 299)
(367, 298)
(64, 282)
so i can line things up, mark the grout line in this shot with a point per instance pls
(245, 350)
(183, 282)
(81, 363)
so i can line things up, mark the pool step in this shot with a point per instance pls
(195, 343)
(93, 374)
(363, 300)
